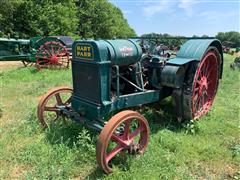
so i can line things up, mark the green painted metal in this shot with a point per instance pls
(123, 52)
(194, 50)
(179, 61)
(172, 76)
(22, 49)
(93, 65)
(11, 49)
(119, 52)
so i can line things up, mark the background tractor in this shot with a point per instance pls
(44, 52)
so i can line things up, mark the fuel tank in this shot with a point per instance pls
(123, 52)
(116, 52)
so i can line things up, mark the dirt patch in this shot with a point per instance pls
(8, 65)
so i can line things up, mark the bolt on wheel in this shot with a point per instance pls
(48, 111)
(205, 84)
(126, 132)
(196, 97)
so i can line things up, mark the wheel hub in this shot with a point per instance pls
(54, 59)
(133, 148)
(203, 85)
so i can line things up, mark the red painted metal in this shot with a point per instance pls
(130, 139)
(52, 54)
(205, 84)
(55, 97)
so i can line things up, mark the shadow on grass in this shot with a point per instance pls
(67, 133)
(161, 116)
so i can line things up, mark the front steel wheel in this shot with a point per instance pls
(48, 111)
(125, 132)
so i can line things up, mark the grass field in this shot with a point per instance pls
(205, 149)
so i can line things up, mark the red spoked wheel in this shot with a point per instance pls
(200, 86)
(48, 111)
(205, 84)
(52, 54)
(126, 132)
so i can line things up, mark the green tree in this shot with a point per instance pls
(39, 17)
(230, 39)
(101, 19)
(87, 18)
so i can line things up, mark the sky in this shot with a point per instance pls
(181, 17)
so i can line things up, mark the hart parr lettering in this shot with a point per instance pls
(84, 52)
(126, 51)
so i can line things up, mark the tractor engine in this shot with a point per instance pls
(96, 65)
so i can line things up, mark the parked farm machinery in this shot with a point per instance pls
(114, 75)
(44, 52)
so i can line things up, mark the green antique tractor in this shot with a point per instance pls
(111, 76)
(44, 52)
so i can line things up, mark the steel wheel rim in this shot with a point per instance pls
(43, 108)
(124, 140)
(205, 85)
(52, 54)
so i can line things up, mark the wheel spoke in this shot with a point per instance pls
(118, 140)
(113, 152)
(46, 49)
(58, 98)
(136, 132)
(196, 89)
(43, 52)
(209, 73)
(126, 129)
(206, 66)
(197, 104)
(52, 50)
(50, 109)
(68, 100)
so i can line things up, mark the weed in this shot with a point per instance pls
(191, 127)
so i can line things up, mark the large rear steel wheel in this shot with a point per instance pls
(52, 54)
(200, 86)
(48, 111)
(125, 132)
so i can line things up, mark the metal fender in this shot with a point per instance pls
(194, 50)
(39, 42)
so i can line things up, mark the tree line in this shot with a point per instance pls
(228, 39)
(81, 18)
